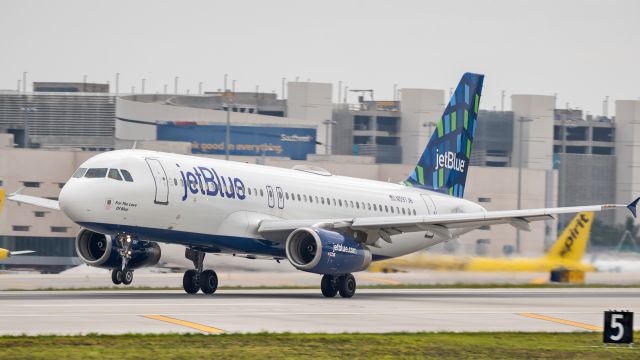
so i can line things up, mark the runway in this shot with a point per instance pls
(228, 311)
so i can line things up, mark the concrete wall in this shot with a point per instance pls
(419, 108)
(590, 179)
(51, 169)
(312, 102)
(537, 140)
(627, 152)
(500, 186)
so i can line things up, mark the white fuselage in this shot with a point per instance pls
(218, 205)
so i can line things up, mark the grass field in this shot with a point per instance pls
(581, 345)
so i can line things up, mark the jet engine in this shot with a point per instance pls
(103, 251)
(323, 251)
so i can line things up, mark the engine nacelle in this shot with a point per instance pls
(322, 251)
(103, 251)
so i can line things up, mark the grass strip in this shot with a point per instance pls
(499, 345)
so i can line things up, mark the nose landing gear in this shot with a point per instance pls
(123, 275)
(198, 279)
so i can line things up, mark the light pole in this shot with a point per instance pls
(27, 124)
(521, 122)
(327, 123)
(227, 138)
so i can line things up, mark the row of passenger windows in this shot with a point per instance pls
(321, 200)
(96, 173)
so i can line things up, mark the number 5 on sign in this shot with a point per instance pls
(618, 327)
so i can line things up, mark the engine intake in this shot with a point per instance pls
(103, 251)
(322, 251)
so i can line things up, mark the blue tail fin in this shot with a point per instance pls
(444, 163)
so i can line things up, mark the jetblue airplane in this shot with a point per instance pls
(128, 201)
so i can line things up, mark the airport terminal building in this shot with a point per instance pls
(565, 158)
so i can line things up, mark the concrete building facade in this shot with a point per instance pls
(627, 151)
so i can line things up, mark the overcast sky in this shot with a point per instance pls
(582, 50)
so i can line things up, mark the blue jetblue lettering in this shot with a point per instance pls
(207, 182)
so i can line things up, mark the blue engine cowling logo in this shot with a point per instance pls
(323, 251)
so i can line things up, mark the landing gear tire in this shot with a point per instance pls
(329, 286)
(347, 285)
(127, 276)
(190, 281)
(116, 276)
(208, 281)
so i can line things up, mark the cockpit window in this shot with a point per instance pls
(96, 173)
(79, 173)
(114, 174)
(126, 175)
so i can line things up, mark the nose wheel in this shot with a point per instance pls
(198, 279)
(331, 285)
(124, 275)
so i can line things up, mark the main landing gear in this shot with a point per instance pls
(123, 275)
(198, 279)
(343, 284)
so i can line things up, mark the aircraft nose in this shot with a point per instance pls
(69, 200)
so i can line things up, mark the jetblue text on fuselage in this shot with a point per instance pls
(206, 181)
(449, 160)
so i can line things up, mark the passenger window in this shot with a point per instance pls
(249, 191)
(114, 174)
(299, 198)
(175, 182)
(403, 211)
(340, 202)
(310, 198)
(126, 175)
(96, 173)
(261, 193)
(322, 200)
(357, 205)
(369, 206)
(79, 173)
(287, 195)
(392, 209)
(386, 208)
(305, 198)
(397, 210)
(351, 204)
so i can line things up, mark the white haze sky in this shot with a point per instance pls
(583, 50)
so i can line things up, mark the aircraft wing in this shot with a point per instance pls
(446, 225)
(34, 200)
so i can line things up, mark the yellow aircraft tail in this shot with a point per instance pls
(572, 244)
(2, 196)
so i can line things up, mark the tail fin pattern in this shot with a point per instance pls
(444, 163)
(572, 244)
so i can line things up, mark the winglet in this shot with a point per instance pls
(632, 206)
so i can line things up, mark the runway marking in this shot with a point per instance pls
(384, 281)
(562, 321)
(203, 328)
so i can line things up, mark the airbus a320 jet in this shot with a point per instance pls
(127, 201)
